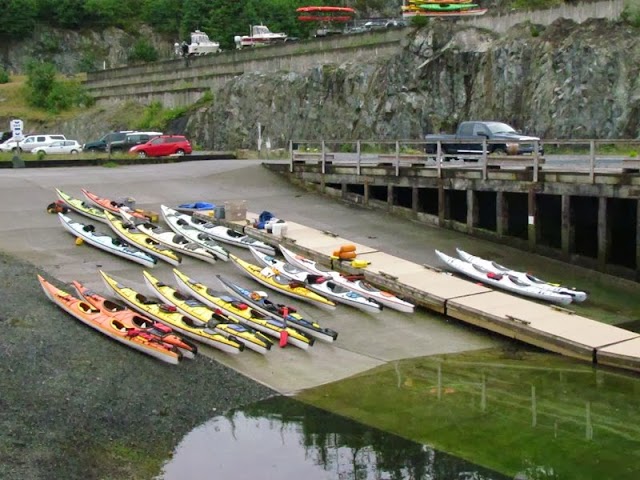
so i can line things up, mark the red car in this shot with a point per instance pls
(163, 146)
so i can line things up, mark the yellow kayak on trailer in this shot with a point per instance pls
(242, 312)
(214, 320)
(270, 277)
(169, 315)
(130, 233)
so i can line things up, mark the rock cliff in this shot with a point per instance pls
(566, 80)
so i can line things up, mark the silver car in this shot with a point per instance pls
(59, 147)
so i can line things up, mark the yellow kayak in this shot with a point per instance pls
(270, 277)
(169, 315)
(81, 207)
(130, 233)
(214, 320)
(242, 312)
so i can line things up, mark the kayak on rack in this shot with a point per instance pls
(503, 281)
(357, 285)
(577, 295)
(172, 240)
(275, 280)
(81, 207)
(322, 285)
(108, 325)
(169, 315)
(130, 233)
(210, 319)
(134, 322)
(259, 301)
(225, 234)
(182, 227)
(105, 242)
(109, 205)
(242, 312)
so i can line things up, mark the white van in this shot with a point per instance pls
(30, 142)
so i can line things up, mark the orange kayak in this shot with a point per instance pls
(134, 321)
(109, 325)
(109, 205)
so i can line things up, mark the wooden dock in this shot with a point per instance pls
(549, 327)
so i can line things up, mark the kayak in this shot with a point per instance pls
(108, 325)
(170, 239)
(319, 284)
(169, 315)
(82, 207)
(224, 234)
(577, 295)
(210, 319)
(130, 233)
(259, 301)
(357, 285)
(242, 312)
(182, 227)
(105, 242)
(275, 280)
(503, 281)
(109, 205)
(133, 321)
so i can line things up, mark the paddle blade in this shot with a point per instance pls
(284, 337)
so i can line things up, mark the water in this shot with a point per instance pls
(286, 439)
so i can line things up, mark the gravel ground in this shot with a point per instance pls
(74, 404)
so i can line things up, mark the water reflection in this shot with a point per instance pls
(283, 438)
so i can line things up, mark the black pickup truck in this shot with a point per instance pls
(501, 138)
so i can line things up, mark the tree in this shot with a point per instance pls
(17, 18)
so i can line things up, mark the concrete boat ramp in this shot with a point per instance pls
(553, 328)
(365, 341)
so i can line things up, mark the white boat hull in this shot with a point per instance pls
(363, 288)
(578, 296)
(328, 288)
(106, 242)
(504, 282)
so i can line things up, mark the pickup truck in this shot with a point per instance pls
(501, 138)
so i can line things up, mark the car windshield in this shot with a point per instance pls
(497, 127)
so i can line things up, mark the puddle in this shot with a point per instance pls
(286, 439)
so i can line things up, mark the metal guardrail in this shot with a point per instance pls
(571, 156)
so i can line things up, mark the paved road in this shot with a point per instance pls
(365, 341)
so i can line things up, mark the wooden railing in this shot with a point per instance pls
(589, 156)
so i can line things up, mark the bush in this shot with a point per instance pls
(4, 76)
(155, 117)
(143, 51)
(44, 90)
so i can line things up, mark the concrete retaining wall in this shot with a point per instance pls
(579, 13)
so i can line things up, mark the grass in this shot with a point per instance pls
(13, 104)
(479, 406)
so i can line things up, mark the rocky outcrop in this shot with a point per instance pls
(566, 80)
(75, 51)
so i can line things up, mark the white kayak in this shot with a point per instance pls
(577, 295)
(503, 281)
(183, 227)
(108, 243)
(320, 284)
(225, 234)
(357, 285)
(171, 239)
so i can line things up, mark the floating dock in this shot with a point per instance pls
(552, 328)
